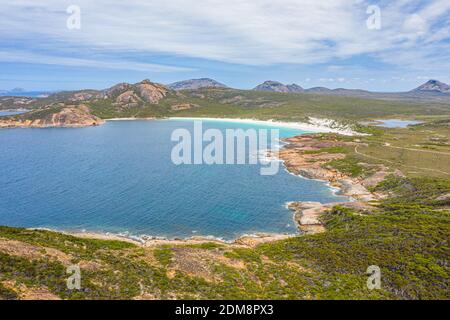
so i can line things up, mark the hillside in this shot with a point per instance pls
(148, 99)
(404, 231)
(232, 103)
(55, 116)
(404, 236)
(434, 86)
(432, 90)
(298, 106)
(274, 86)
(17, 103)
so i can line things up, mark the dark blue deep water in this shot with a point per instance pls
(119, 178)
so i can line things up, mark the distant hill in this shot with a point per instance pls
(432, 90)
(147, 99)
(58, 115)
(433, 86)
(275, 86)
(136, 94)
(120, 95)
(194, 84)
(318, 90)
(19, 92)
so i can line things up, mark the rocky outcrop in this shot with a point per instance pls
(433, 86)
(355, 189)
(381, 173)
(61, 116)
(16, 103)
(132, 95)
(151, 92)
(116, 90)
(275, 86)
(128, 97)
(444, 197)
(307, 214)
(84, 95)
(308, 155)
(303, 156)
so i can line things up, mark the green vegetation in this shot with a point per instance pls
(416, 191)
(406, 236)
(296, 106)
(163, 255)
(206, 246)
(271, 105)
(60, 241)
(348, 165)
(7, 294)
(417, 151)
(327, 150)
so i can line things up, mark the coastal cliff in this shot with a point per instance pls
(312, 156)
(62, 116)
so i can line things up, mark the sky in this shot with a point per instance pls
(79, 44)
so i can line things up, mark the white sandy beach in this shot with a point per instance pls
(315, 124)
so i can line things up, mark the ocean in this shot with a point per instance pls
(119, 178)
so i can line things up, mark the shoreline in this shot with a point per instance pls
(305, 216)
(315, 125)
(130, 119)
(245, 239)
(297, 161)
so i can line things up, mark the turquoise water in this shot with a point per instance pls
(119, 178)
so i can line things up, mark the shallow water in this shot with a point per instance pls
(394, 123)
(119, 178)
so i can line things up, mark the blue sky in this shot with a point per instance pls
(240, 43)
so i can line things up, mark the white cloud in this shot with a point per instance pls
(415, 24)
(23, 56)
(246, 32)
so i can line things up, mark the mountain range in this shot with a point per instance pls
(126, 96)
(276, 86)
(146, 99)
(431, 86)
